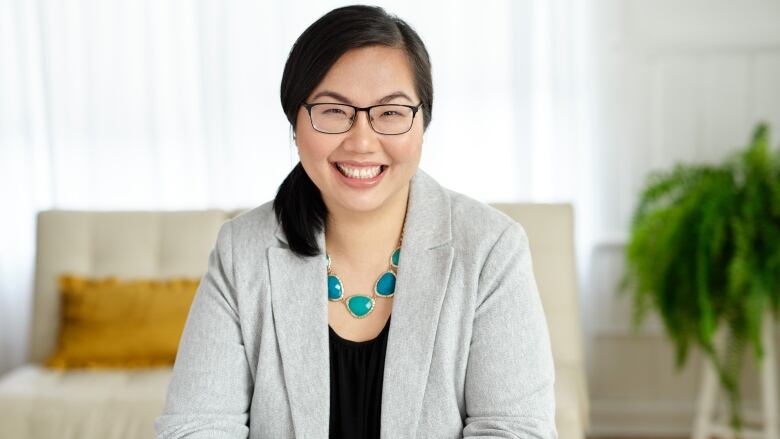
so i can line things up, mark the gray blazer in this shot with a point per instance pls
(468, 351)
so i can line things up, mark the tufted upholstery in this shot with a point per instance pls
(38, 403)
(126, 244)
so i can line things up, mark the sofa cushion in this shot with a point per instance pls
(571, 416)
(109, 322)
(37, 403)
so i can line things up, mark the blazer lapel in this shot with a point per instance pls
(423, 273)
(300, 314)
(299, 305)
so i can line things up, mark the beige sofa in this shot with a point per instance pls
(37, 403)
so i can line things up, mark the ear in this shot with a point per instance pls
(295, 138)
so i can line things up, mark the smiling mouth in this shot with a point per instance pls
(360, 173)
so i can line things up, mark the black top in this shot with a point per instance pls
(356, 372)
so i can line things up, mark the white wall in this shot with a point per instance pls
(674, 81)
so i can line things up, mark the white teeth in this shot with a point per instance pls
(364, 173)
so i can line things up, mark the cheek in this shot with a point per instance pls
(312, 147)
(407, 149)
(313, 152)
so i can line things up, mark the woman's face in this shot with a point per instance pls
(362, 77)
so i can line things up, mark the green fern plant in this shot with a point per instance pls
(704, 251)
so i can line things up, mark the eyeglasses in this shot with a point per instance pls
(330, 118)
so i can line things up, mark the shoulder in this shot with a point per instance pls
(251, 229)
(260, 216)
(478, 227)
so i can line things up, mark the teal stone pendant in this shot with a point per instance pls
(395, 257)
(360, 306)
(335, 288)
(385, 285)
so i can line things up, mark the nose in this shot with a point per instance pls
(361, 137)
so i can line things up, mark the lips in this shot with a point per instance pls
(353, 169)
(359, 183)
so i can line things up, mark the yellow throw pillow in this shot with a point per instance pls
(113, 323)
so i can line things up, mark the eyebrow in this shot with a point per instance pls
(342, 98)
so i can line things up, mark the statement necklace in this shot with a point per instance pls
(361, 305)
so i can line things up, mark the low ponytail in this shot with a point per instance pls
(300, 210)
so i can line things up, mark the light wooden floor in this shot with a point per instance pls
(637, 437)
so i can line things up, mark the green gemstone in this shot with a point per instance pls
(335, 288)
(394, 258)
(360, 306)
(385, 285)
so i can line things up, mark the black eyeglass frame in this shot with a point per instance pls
(414, 108)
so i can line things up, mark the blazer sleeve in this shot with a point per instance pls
(211, 386)
(510, 375)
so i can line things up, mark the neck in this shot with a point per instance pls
(357, 237)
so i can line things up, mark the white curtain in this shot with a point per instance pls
(108, 104)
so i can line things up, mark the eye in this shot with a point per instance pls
(333, 111)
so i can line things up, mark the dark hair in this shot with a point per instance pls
(298, 204)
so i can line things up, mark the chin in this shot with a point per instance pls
(358, 205)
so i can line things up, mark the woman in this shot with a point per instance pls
(265, 353)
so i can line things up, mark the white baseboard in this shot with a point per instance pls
(643, 418)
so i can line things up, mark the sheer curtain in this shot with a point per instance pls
(169, 105)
